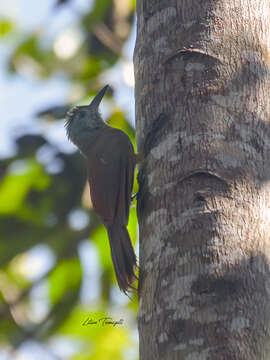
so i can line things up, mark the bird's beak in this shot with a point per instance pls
(97, 99)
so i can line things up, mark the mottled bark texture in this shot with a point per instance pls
(203, 125)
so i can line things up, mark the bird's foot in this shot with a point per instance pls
(134, 196)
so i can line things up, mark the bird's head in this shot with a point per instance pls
(82, 119)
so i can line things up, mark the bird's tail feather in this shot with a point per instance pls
(123, 256)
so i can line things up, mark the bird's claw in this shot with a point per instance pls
(133, 196)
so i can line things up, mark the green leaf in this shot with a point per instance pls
(66, 277)
(133, 4)
(100, 341)
(14, 187)
(99, 10)
(133, 224)
(90, 68)
(100, 238)
(74, 323)
(6, 26)
(32, 58)
(61, 311)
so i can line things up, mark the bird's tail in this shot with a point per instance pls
(123, 256)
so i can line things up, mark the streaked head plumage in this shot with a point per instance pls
(83, 118)
(71, 116)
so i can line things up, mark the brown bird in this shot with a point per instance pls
(110, 161)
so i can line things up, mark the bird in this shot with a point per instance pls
(110, 161)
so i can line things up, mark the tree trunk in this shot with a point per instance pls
(202, 110)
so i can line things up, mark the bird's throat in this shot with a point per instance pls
(86, 138)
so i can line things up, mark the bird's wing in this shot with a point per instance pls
(110, 173)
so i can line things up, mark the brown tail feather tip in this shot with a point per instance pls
(123, 257)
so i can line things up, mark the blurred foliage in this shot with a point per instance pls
(37, 203)
(6, 26)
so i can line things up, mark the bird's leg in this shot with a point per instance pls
(134, 196)
(138, 160)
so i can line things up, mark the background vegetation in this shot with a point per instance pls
(56, 270)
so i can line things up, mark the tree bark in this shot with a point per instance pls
(203, 126)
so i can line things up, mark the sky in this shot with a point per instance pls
(21, 97)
